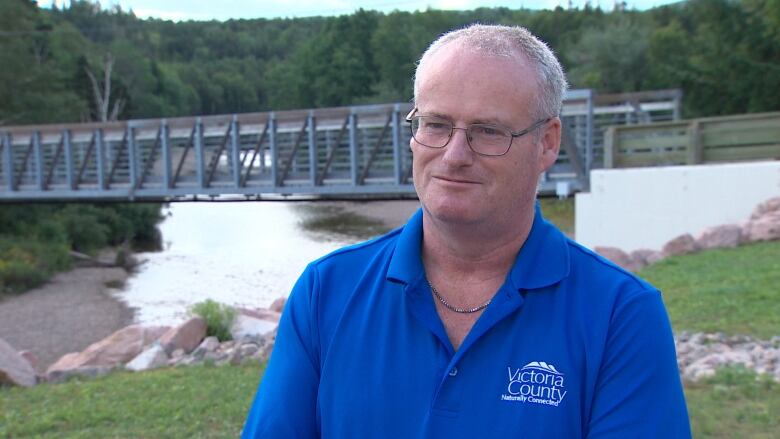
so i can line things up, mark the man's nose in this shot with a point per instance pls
(457, 152)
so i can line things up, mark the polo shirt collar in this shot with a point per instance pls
(542, 261)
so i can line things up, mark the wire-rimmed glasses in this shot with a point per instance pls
(483, 139)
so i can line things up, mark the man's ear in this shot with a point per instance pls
(550, 143)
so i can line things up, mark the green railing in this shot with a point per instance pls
(687, 142)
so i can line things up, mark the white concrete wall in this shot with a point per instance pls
(646, 207)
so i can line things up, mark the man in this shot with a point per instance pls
(478, 318)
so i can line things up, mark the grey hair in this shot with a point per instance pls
(509, 42)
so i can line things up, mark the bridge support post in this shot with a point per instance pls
(8, 162)
(166, 154)
(69, 171)
(274, 149)
(36, 140)
(132, 159)
(234, 152)
(312, 149)
(101, 159)
(397, 172)
(353, 148)
(197, 139)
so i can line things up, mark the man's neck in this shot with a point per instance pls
(483, 251)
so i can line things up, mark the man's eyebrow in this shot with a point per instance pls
(477, 121)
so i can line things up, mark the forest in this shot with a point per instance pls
(723, 54)
(86, 63)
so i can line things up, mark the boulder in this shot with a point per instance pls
(186, 336)
(645, 256)
(118, 348)
(769, 206)
(260, 313)
(763, 228)
(278, 304)
(30, 357)
(14, 368)
(681, 245)
(252, 328)
(619, 257)
(153, 357)
(725, 236)
(209, 344)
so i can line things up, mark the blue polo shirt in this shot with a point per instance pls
(570, 346)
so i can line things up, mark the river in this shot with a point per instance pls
(244, 253)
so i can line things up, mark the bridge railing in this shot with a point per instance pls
(694, 141)
(330, 151)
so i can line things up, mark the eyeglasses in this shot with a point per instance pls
(483, 139)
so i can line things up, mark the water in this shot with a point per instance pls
(242, 254)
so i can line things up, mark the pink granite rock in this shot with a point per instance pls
(186, 336)
(619, 257)
(681, 245)
(30, 357)
(770, 205)
(644, 257)
(15, 369)
(763, 228)
(260, 313)
(725, 236)
(278, 304)
(118, 348)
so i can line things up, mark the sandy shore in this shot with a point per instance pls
(70, 312)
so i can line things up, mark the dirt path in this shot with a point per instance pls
(66, 315)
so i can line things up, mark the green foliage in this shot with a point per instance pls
(218, 316)
(25, 264)
(35, 240)
(726, 290)
(182, 402)
(724, 54)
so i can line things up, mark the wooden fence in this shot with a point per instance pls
(707, 140)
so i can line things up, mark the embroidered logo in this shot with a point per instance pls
(536, 383)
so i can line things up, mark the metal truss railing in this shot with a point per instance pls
(345, 151)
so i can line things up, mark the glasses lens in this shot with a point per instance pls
(431, 131)
(489, 139)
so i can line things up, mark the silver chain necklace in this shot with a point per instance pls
(455, 308)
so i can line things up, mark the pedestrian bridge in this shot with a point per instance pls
(330, 152)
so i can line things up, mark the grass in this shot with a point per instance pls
(735, 403)
(560, 213)
(187, 402)
(212, 402)
(734, 291)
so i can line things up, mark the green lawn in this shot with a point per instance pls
(560, 213)
(734, 291)
(734, 404)
(199, 401)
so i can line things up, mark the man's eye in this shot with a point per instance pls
(436, 126)
(487, 131)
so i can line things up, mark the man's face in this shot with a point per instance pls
(457, 185)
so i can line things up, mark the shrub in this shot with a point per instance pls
(26, 264)
(218, 316)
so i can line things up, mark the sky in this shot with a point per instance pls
(178, 10)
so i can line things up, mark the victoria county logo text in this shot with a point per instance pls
(536, 383)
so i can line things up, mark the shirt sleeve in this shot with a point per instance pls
(639, 393)
(285, 403)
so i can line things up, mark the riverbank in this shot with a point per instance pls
(67, 314)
